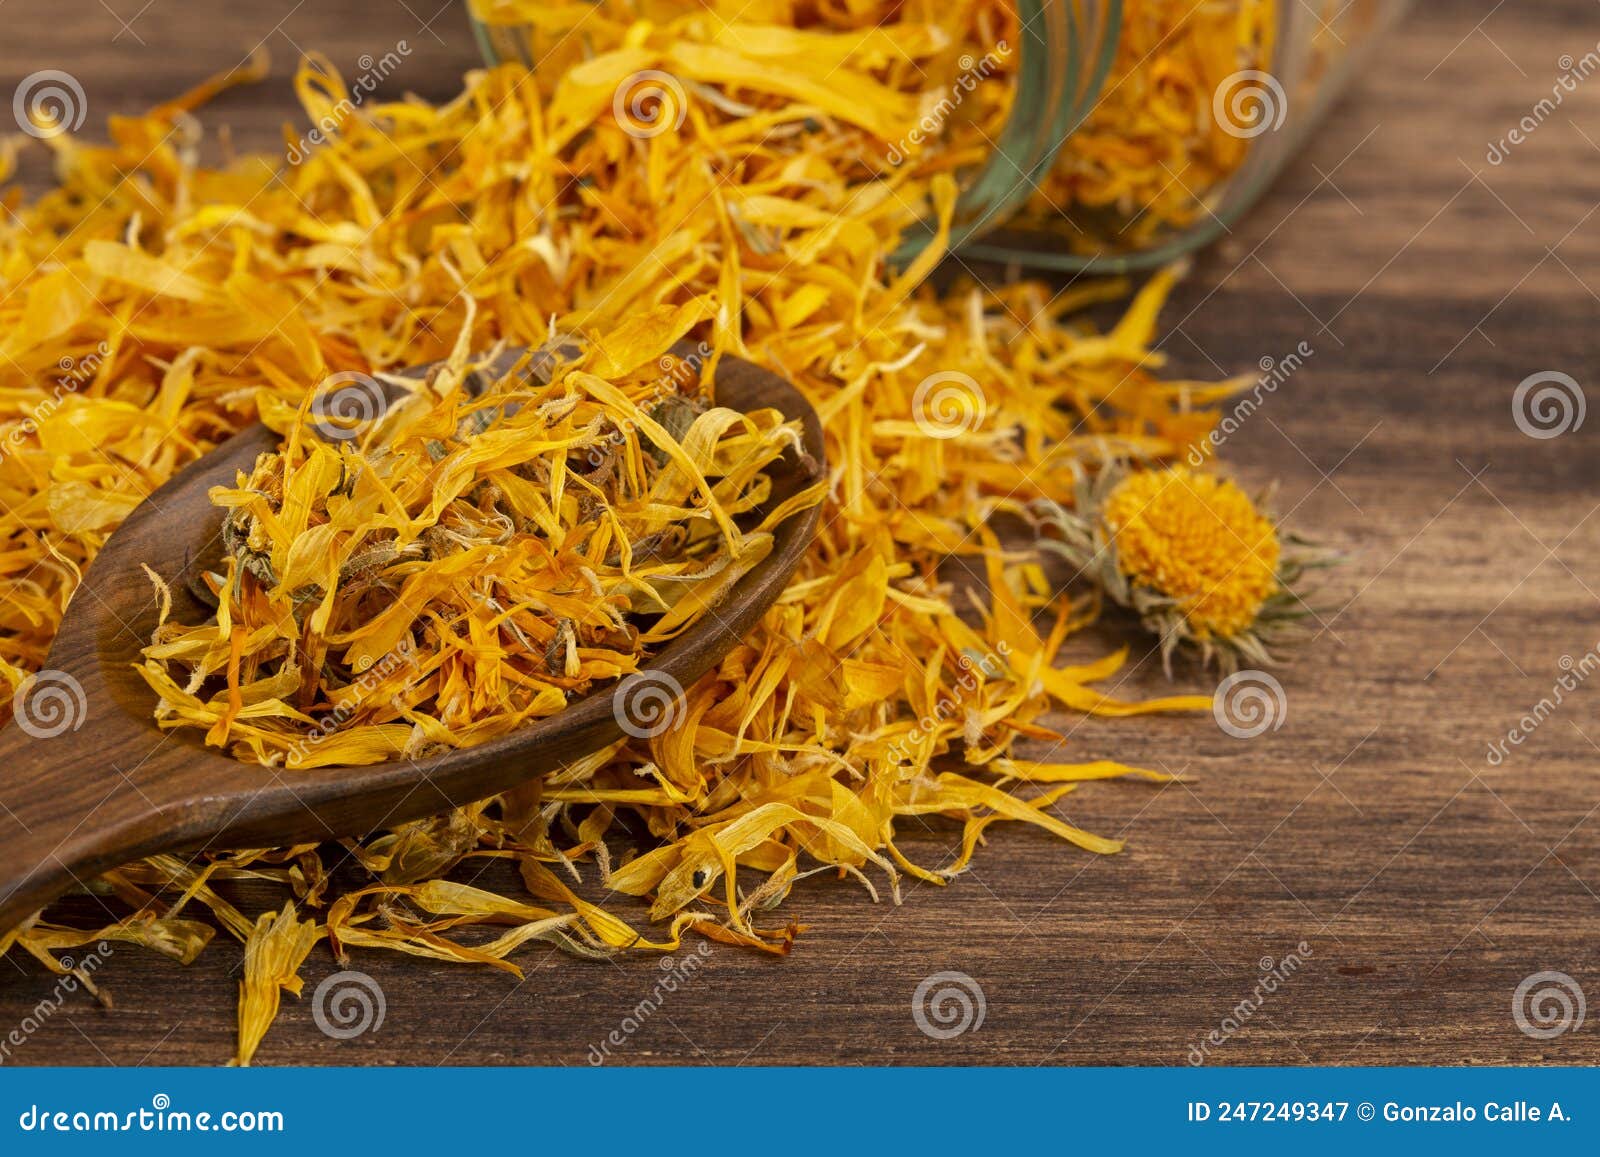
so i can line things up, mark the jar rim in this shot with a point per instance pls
(1066, 49)
(1227, 202)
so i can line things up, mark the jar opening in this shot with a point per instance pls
(1086, 135)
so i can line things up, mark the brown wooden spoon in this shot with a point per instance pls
(91, 782)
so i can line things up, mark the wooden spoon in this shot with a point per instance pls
(91, 782)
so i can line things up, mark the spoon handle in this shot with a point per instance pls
(73, 806)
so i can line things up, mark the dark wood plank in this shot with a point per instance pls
(1425, 882)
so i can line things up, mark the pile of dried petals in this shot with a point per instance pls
(150, 306)
(937, 83)
(1152, 152)
(475, 560)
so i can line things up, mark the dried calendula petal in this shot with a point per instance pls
(273, 954)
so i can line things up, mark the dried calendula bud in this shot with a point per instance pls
(1191, 553)
(1198, 539)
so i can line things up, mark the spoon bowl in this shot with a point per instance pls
(89, 781)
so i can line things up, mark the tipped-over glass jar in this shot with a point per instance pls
(1102, 135)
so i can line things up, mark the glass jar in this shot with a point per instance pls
(1137, 130)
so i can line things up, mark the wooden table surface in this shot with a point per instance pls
(1425, 882)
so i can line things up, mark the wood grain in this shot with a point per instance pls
(1425, 882)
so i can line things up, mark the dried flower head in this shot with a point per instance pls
(1189, 552)
(1198, 539)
